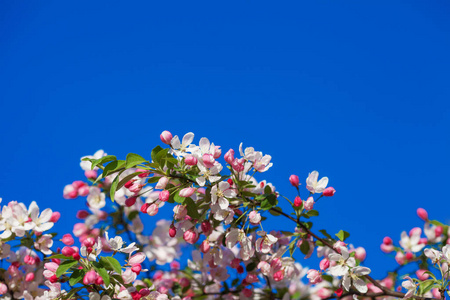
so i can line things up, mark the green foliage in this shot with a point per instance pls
(64, 266)
(342, 235)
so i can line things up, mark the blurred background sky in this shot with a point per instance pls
(356, 90)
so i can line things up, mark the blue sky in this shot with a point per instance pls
(356, 90)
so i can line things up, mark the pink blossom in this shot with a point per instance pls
(187, 192)
(314, 276)
(190, 160)
(137, 258)
(229, 156)
(164, 196)
(329, 191)
(191, 236)
(293, 179)
(422, 213)
(166, 137)
(309, 204)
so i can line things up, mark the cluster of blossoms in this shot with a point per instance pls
(218, 216)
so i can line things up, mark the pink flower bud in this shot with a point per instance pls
(68, 240)
(67, 251)
(162, 183)
(190, 160)
(3, 288)
(90, 277)
(314, 276)
(51, 266)
(236, 262)
(324, 293)
(166, 137)
(229, 156)
(29, 277)
(422, 275)
(438, 230)
(152, 209)
(255, 217)
(217, 152)
(129, 183)
(138, 258)
(90, 174)
(387, 240)
(99, 280)
(238, 164)
(78, 183)
(70, 192)
(130, 201)
(297, 201)
(400, 258)
(208, 160)
(83, 191)
(329, 191)
(204, 246)
(422, 213)
(309, 204)
(278, 276)
(55, 217)
(82, 214)
(360, 253)
(76, 256)
(136, 268)
(145, 207)
(29, 260)
(240, 269)
(136, 188)
(191, 236)
(324, 264)
(89, 242)
(409, 256)
(172, 231)
(164, 196)
(436, 293)
(187, 192)
(206, 227)
(294, 180)
(247, 292)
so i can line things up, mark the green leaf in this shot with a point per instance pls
(342, 235)
(313, 213)
(178, 198)
(76, 276)
(270, 201)
(325, 233)
(102, 272)
(102, 160)
(134, 160)
(192, 209)
(111, 264)
(64, 266)
(58, 256)
(426, 286)
(292, 247)
(304, 247)
(155, 151)
(112, 167)
(112, 190)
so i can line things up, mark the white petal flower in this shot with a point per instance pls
(315, 186)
